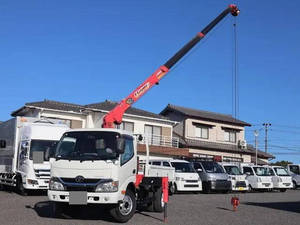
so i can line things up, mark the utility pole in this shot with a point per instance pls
(256, 145)
(266, 125)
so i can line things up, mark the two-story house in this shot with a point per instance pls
(157, 128)
(212, 135)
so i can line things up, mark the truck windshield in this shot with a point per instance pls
(183, 167)
(212, 167)
(281, 171)
(88, 145)
(42, 146)
(232, 170)
(262, 171)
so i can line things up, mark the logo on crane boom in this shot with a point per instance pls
(141, 90)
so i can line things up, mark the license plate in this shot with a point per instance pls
(78, 198)
(241, 188)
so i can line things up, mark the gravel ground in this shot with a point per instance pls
(183, 209)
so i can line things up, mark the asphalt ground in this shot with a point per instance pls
(273, 208)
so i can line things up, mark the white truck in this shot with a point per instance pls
(238, 180)
(25, 145)
(259, 177)
(185, 176)
(281, 179)
(99, 166)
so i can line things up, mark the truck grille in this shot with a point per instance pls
(86, 181)
(42, 173)
(80, 188)
(240, 184)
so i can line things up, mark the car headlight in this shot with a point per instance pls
(233, 178)
(279, 179)
(258, 179)
(55, 184)
(110, 186)
(180, 178)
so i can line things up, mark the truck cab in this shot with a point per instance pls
(259, 177)
(280, 178)
(99, 166)
(294, 171)
(213, 176)
(238, 180)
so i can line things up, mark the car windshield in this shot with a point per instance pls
(212, 167)
(88, 145)
(280, 171)
(42, 146)
(262, 171)
(232, 170)
(183, 167)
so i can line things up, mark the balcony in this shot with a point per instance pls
(159, 140)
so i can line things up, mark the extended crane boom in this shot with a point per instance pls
(116, 114)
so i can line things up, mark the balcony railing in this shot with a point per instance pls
(159, 140)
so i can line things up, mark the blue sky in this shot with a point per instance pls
(88, 51)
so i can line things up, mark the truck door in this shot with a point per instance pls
(128, 161)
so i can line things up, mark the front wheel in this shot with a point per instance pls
(294, 185)
(123, 211)
(20, 188)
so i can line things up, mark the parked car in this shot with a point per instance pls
(186, 178)
(294, 171)
(238, 180)
(280, 178)
(259, 177)
(213, 176)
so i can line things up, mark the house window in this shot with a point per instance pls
(128, 126)
(230, 136)
(153, 134)
(201, 131)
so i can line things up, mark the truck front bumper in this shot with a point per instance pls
(92, 197)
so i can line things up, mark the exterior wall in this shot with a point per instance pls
(216, 132)
(246, 158)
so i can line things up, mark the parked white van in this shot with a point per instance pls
(259, 177)
(281, 178)
(186, 178)
(238, 180)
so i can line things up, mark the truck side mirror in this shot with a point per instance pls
(120, 145)
(248, 173)
(199, 170)
(47, 154)
(2, 144)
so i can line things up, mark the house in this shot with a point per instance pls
(157, 128)
(210, 135)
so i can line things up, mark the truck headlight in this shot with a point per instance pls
(33, 182)
(110, 186)
(55, 184)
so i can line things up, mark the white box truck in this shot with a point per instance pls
(25, 145)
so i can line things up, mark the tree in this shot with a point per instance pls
(281, 163)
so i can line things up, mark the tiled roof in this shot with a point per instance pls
(68, 107)
(201, 114)
(109, 105)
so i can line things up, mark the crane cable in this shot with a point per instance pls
(235, 77)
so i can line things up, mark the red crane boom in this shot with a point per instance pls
(116, 114)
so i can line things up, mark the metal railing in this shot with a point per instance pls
(160, 140)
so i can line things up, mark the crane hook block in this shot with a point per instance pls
(234, 10)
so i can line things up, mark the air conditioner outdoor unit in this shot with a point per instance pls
(243, 144)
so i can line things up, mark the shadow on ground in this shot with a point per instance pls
(286, 206)
(90, 212)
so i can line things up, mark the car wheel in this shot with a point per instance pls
(123, 211)
(172, 189)
(283, 190)
(294, 185)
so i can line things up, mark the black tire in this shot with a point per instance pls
(171, 189)
(294, 185)
(123, 212)
(250, 188)
(20, 188)
(158, 204)
(206, 188)
(58, 208)
(283, 190)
